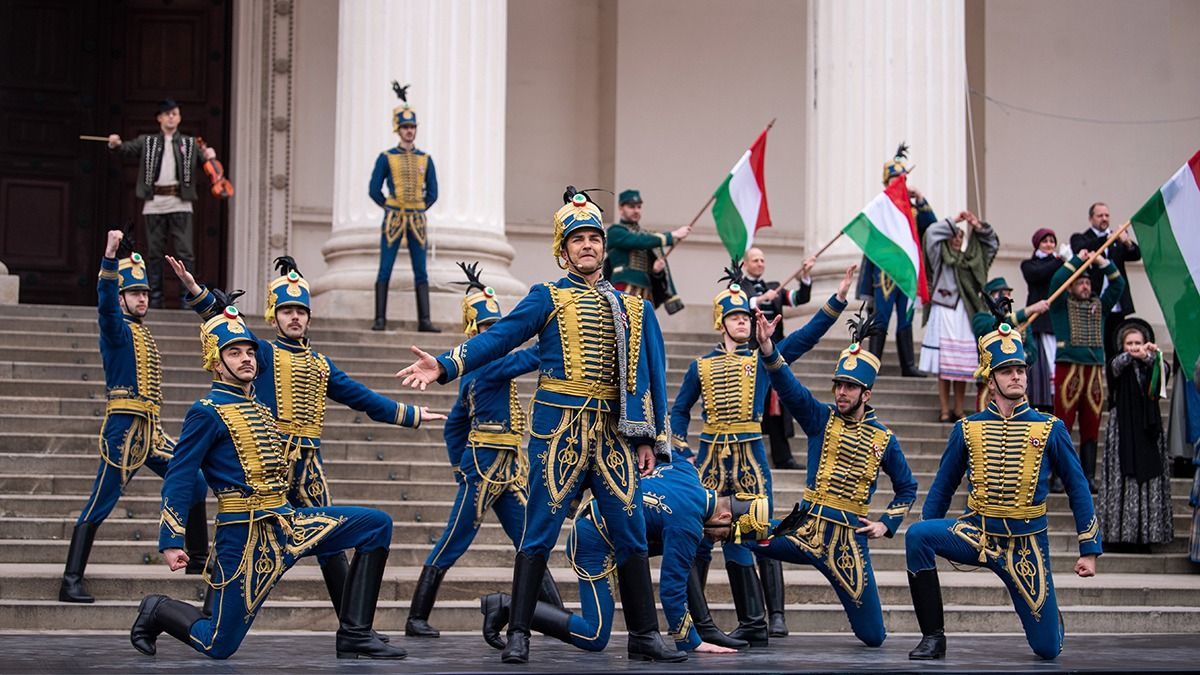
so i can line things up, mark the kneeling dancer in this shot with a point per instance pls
(1007, 452)
(234, 440)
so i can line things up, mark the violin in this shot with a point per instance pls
(221, 186)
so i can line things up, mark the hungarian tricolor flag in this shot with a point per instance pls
(1168, 231)
(887, 234)
(740, 204)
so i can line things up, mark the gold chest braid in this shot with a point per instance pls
(1004, 463)
(256, 440)
(148, 364)
(408, 179)
(585, 326)
(1084, 317)
(850, 458)
(516, 414)
(727, 385)
(300, 383)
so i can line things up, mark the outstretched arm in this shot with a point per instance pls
(801, 341)
(353, 394)
(949, 475)
(108, 290)
(200, 428)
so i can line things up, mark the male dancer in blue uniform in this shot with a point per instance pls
(132, 433)
(409, 175)
(293, 381)
(731, 457)
(599, 416)
(484, 435)
(679, 513)
(233, 439)
(1007, 453)
(847, 447)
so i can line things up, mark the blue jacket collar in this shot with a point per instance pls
(284, 342)
(1021, 408)
(868, 418)
(232, 390)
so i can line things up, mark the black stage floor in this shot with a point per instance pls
(313, 653)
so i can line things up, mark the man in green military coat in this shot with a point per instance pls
(632, 250)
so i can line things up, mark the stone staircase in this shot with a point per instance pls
(52, 402)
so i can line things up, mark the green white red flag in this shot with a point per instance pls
(887, 233)
(740, 203)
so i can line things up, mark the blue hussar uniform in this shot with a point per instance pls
(731, 457)
(676, 507)
(845, 456)
(132, 435)
(233, 439)
(877, 286)
(410, 179)
(293, 382)
(601, 394)
(1007, 462)
(485, 435)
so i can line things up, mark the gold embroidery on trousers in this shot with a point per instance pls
(586, 439)
(1017, 557)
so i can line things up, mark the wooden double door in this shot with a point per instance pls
(72, 67)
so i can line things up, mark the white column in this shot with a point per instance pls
(453, 53)
(882, 73)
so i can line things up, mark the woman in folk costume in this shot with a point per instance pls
(958, 260)
(1135, 487)
(1038, 269)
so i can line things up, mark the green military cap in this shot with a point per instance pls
(997, 284)
(630, 196)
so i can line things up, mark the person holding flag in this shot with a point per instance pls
(880, 288)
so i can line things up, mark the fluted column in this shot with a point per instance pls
(884, 72)
(453, 53)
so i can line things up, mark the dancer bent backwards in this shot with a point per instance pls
(233, 439)
(132, 433)
(599, 415)
(679, 513)
(732, 458)
(483, 436)
(847, 447)
(1007, 453)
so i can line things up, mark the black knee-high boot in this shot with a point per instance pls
(770, 571)
(904, 349)
(424, 324)
(641, 614)
(548, 619)
(195, 538)
(356, 636)
(336, 571)
(927, 601)
(422, 603)
(702, 617)
(72, 589)
(158, 614)
(549, 591)
(381, 292)
(748, 601)
(1087, 458)
(527, 580)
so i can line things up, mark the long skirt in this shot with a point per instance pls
(1132, 512)
(1194, 501)
(948, 349)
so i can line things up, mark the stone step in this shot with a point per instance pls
(886, 554)
(463, 615)
(804, 586)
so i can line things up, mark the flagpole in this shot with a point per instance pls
(710, 199)
(824, 248)
(1071, 279)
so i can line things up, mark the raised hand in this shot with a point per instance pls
(185, 277)
(422, 372)
(765, 330)
(114, 240)
(807, 266)
(1039, 307)
(847, 281)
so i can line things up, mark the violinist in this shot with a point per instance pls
(166, 185)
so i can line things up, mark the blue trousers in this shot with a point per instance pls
(590, 552)
(895, 301)
(499, 488)
(1022, 562)
(310, 488)
(729, 468)
(573, 449)
(110, 485)
(843, 557)
(387, 258)
(250, 559)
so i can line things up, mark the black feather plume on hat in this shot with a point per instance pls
(902, 151)
(999, 307)
(863, 327)
(401, 92)
(286, 264)
(128, 243)
(733, 273)
(226, 299)
(473, 281)
(570, 193)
